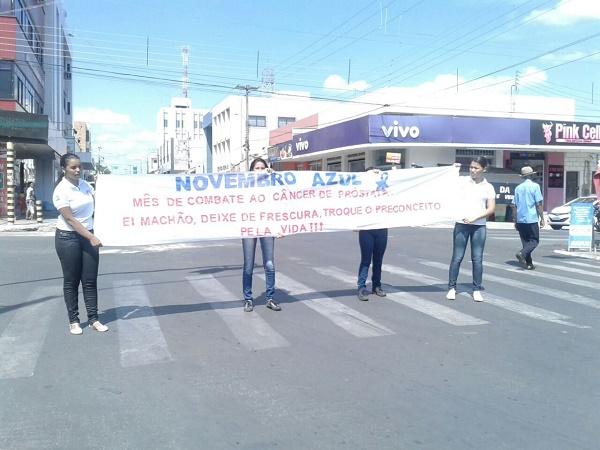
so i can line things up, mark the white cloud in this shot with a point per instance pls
(126, 145)
(567, 12)
(532, 76)
(336, 82)
(557, 58)
(101, 116)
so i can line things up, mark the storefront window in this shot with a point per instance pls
(334, 164)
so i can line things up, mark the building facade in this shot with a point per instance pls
(181, 145)
(226, 128)
(82, 135)
(561, 151)
(35, 91)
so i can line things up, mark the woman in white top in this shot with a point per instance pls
(75, 243)
(479, 201)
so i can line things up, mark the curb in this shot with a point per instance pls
(587, 255)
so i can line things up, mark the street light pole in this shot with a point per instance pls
(247, 88)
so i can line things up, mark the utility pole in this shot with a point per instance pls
(247, 88)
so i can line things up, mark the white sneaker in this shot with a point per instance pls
(98, 326)
(477, 296)
(74, 328)
(451, 295)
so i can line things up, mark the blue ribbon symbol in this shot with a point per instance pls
(382, 184)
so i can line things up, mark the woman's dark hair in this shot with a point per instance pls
(256, 161)
(481, 160)
(64, 160)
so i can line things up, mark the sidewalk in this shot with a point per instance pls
(28, 225)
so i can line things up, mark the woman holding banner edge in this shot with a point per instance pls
(479, 200)
(76, 245)
(267, 245)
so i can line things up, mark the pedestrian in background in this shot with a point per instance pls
(30, 201)
(479, 200)
(372, 248)
(528, 202)
(76, 246)
(267, 246)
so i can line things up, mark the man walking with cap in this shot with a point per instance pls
(528, 201)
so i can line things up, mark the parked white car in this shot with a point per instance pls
(561, 215)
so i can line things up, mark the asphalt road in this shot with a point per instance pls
(184, 367)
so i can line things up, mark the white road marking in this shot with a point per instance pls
(22, 340)
(511, 305)
(549, 292)
(251, 330)
(141, 339)
(518, 240)
(352, 321)
(548, 276)
(568, 269)
(432, 309)
(582, 264)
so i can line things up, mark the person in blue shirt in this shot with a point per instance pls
(528, 202)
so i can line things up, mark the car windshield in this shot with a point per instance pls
(581, 200)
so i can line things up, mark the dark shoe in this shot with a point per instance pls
(271, 304)
(379, 292)
(248, 306)
(521, 259)
(363, 295)
(530, 267)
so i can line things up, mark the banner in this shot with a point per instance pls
(155, 209)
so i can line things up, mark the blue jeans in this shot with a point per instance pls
(372, 246)
(79, 262)
(267, 245)
(462, 233)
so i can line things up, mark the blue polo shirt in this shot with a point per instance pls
(527, 196)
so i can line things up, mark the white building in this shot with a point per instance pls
(228, 127)
(181, 145)
(152, 164)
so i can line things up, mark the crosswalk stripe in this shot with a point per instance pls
(510, 305)
(589, 265)
(549, 292)
(141, 340)
(352, 321)
(432, 309)
(567, 269)
(548, 276)
(251, 330)
(533, 312)
(22, 340)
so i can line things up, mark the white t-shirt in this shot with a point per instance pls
(29, 194)
(473, 198)
(79, 198)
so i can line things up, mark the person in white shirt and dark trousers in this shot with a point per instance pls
(76, 246)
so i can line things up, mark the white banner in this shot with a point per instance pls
(155, 209)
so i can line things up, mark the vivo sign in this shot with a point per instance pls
(396, 130)
(301, 146)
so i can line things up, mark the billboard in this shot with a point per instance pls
(549, 132)
(390, 128)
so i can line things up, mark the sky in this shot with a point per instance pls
(127, 54)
